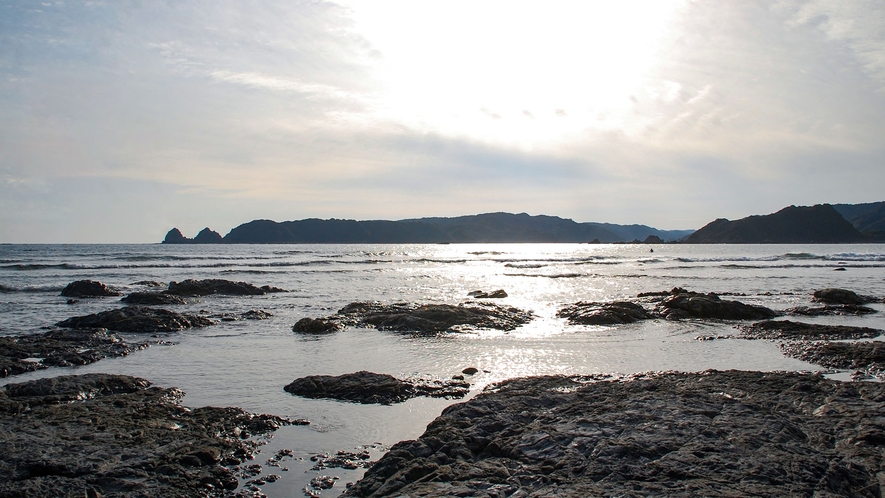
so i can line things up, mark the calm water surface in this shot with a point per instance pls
(247, 363)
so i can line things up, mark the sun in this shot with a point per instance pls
(530, 74)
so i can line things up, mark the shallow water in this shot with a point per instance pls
(247, 363)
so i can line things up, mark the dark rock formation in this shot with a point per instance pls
(820, 224)
(272, 290)
(431, 318)
(830, 310)
(152, 299)
(112, 435)
(257, 315)
(684, 304)
(207, 236)
(367, 387)
(316, 326)
(175, 236)
(88, 288)
(842, 296)
(590, 313)
(498, 294)
(137, 319)
(866, 356)
(798, 331)
(191, 287)
(714, 433)
(60, 348)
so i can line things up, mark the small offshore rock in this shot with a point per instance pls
(591, 313)
(710, 306)
(799, 331)
(257, 315)
(831, 310)
(191, 287)
(137, 319)
(272, 290)
(370, 388)
(432, 318)
(315, 326)
(497, 294)
(470, 371)
(152, 299)
(841, 296)
(88, 288)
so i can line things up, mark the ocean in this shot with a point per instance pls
(247, 363)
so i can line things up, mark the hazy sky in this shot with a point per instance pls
(122, 119)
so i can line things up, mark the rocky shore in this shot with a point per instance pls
(731, 433)
(112, 435)
(369, 387)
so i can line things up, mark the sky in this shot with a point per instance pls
(122, 119)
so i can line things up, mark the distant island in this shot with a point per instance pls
(819, 224)
(480, 228)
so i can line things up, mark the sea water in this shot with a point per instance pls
(247, 363)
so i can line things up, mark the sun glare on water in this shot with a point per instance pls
(515, 73)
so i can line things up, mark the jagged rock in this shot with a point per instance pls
(830, 310)
(869, 356)
(683, 304)
(113, 435)
(191, 287)
(589, 313)
(207, 236)
(60, 348)
(88, 288)
(498, 294)
(137, 319)
(316, 326)
(842, 296)
(368, 387)
(175, 236)
(256, 315)
(431, 318)
(713, 433)
(152, 299)
(798, 331)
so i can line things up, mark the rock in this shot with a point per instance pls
(88, 288)
(272, 290)
(175, 236)
(431, 318)
(684, 304)
(713, 433)
(470, 371)
(256, 315)
(208, 236)
(137, 319)
(368, 387)
(841, 296)
(589, 313)
(148, 283)
(191, 287)
(798, 331)
(868, 356)
(315, 326)
(830, 309)
(113, 435)
(498, 294)
(152, 299)
(60, 348)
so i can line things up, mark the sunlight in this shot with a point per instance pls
(516, 74)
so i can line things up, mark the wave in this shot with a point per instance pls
(30, 288)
